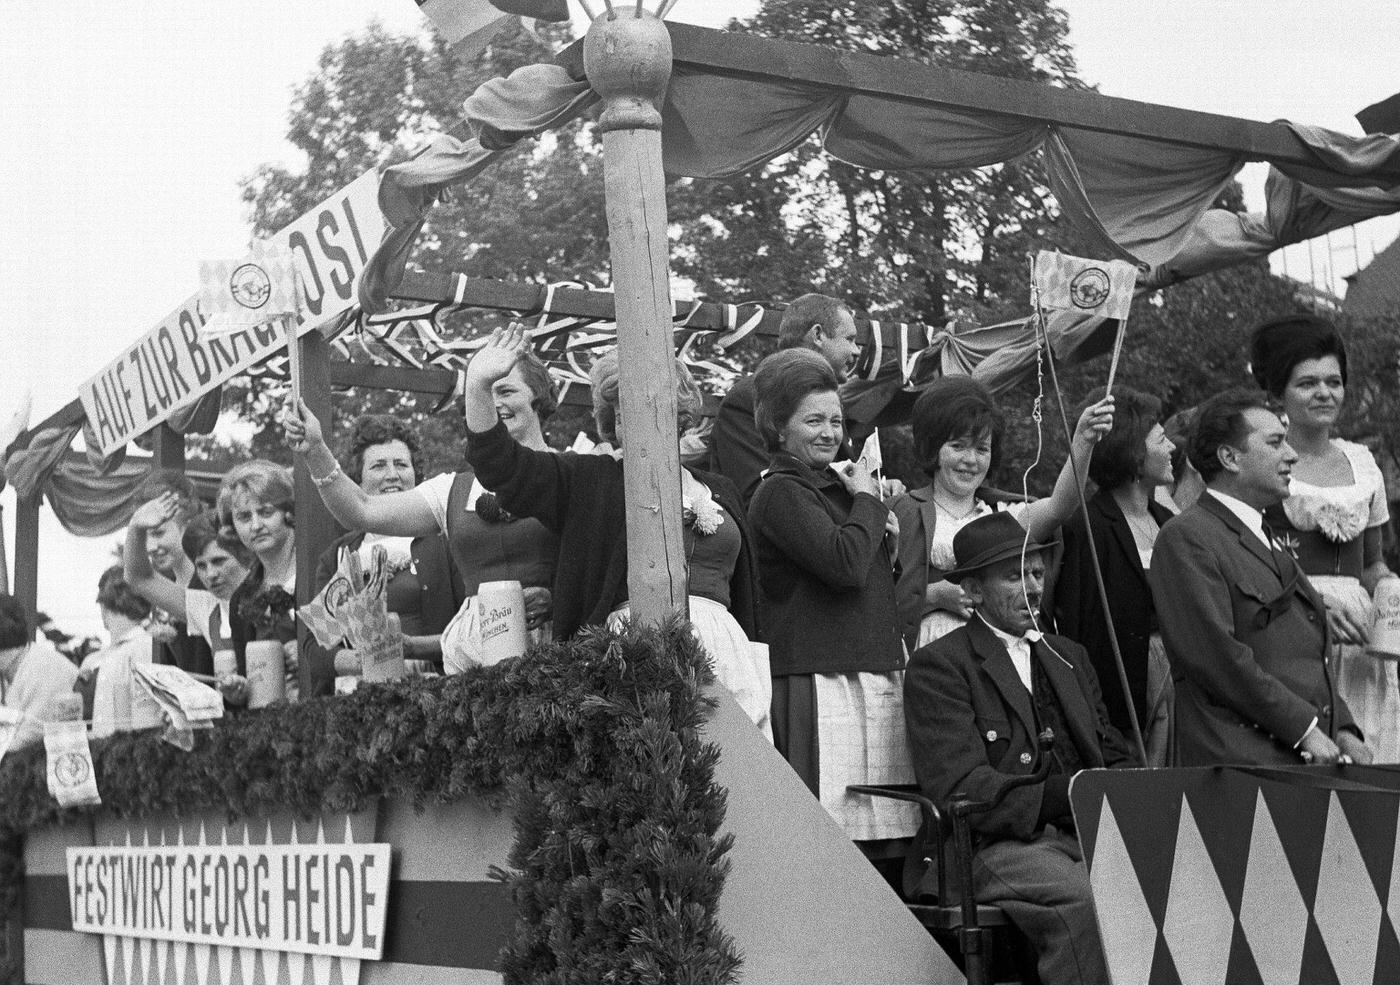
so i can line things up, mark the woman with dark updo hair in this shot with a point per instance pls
(1335, 512)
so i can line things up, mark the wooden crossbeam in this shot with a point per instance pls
(568, 302)
(765, 59)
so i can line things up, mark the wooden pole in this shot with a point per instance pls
(315, 526)
(627, 58)
(27, 551)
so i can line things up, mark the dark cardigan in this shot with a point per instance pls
(826, 574)
(1079, 614)
(580, 498)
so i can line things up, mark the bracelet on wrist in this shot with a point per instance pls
(327, 479)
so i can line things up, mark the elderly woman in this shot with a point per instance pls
(1131, 463)
(1335, 512)
(957, 436)
(581, 497)
(424, 590)
(825, 545)
(486, 543)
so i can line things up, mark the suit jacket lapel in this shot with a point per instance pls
(1078, 714)
(1247, 538)
(928, 513)
(996, 662)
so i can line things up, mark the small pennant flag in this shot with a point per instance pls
(475, 22)
(72, 781)
(871, 459)
(254, 290)
(1091, 287)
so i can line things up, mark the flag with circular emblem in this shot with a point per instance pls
(1090, 287)
(252, 290)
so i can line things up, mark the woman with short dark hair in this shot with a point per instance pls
(1335, 513)
(958, 432)
(825, 559)
(1131, 463)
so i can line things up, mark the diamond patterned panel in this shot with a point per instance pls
(1127, 928)
(1347, 909)
(1199, 924)
(1272, 911)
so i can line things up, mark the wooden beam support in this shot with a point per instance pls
(433, 382)
(628, 60)
(315, 527)
(747, 56)
(27, 551)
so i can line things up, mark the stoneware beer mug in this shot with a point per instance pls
(501, 618)
(1385, 631)
(266, 679)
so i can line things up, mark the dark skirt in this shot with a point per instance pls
(795, 726)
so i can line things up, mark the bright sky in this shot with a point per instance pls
(128, 128)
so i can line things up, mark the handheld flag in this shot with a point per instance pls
(254, 290)
(476, 22)
(1093, 287)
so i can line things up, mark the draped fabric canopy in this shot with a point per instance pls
(1143, 200)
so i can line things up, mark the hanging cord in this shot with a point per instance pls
(1088, 530)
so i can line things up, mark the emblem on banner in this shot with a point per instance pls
(1089, 288)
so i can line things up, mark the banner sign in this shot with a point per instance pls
(326, 899)
(173, 364)
(1091, 287)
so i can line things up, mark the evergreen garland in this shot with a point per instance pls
(594, 744)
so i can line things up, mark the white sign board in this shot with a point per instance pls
(173, 365)
(324, 899)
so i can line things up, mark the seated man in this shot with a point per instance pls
(975, 701)
(31, 673)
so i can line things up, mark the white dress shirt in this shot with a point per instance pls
(1019, 647)
(1249, 516)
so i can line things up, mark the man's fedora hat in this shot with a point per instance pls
(987, 540)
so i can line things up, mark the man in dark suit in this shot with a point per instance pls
(814, 321)
(1245, 631)
(975, 701)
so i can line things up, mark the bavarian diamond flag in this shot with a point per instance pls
(1091, 287)
(258, 288)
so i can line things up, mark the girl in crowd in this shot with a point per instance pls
(487, 542)
(825, 545)
(958, 431)
(256, 503)
(424, 590)
(1335, 512)
(581, 498)
(221, 563)
(1130, 464)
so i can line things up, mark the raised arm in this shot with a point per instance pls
(136, 565)
(400, 514)
(1044, 516)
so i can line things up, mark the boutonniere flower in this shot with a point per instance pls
(1288, 542)
(489, 508)
(701, 515)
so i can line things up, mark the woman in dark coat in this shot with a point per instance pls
(581, 499)
(1129, 466)
(825, 546)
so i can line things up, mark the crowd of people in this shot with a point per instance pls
(1208, 601)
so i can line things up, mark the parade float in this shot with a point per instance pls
(593, 811)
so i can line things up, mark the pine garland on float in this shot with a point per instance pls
(592, 744)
